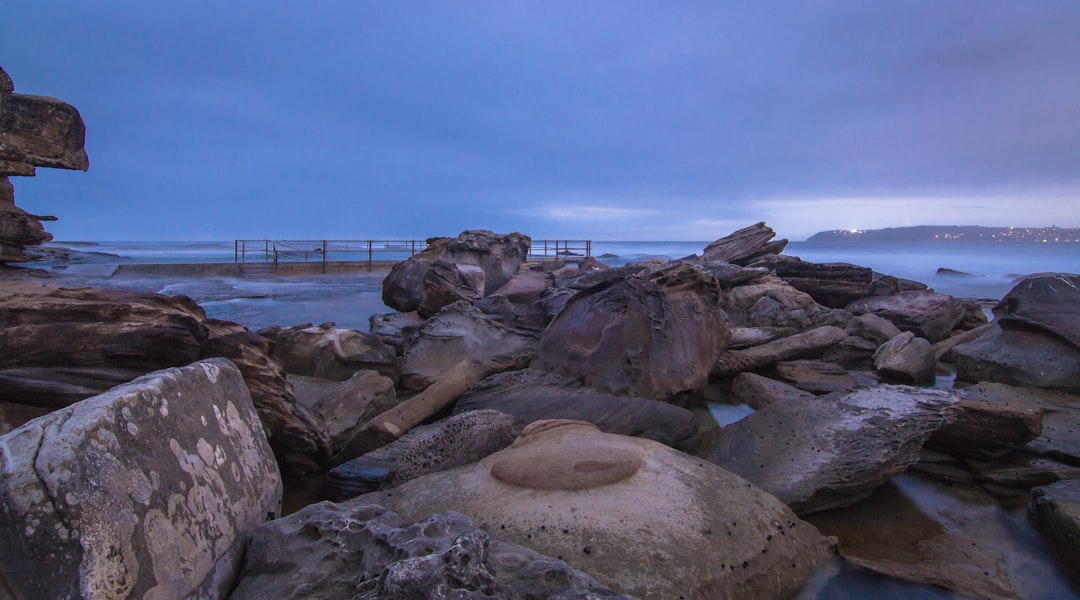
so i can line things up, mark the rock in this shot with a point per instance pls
(872, 327)
(19, 229)
(757, 392)
(446, 282)
(568, 490)
(1061, 417)
(974, 315)
(40, 132)
(352, 403)
(816, 376)
(396, 329)
(772, 302)
(1048, 303)
(459, 330)
(887, 285)
(149, 490)
(1018, 357)
(6, 85)
(1055, 509)
(731, 276)
(498, 255)
(655, 336)
(13, 415)
(926, 314)
(952, 272)
(746, 337)
(521, 302)
(364, 552)
(906, 359)
(1020, 471)
(533, 395)
(943, 349)
(330, 353)
(823, 453)
(989, 423)
(808, 343)
(830, 284)
(852, 352)
(744, 245)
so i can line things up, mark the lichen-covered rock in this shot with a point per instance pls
(640, 517)
(822, 453)
(654, 335)
(906, 359)
(327, 352)
(925, 313)
(363, 552)
(150, 490)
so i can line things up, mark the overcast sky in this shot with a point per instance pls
(601, 120)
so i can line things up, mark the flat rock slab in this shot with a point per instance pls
(816, 376)
(151, 489)
(990, 423)
(834, 450)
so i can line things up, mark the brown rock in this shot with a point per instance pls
(926, 314)
(42, 132)
(807, 343)
(772, 302)
(1055, 509)
(330, 353)
(744, 245)
(816, 376)
(829, 284)
(346, 406)
(906, 359)
(872, 327)
(6, 85)
(989, 423)
(757, 391)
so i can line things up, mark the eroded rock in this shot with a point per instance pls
(925, 313)
(327, 352)
(744, 245)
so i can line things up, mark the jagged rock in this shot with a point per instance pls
(829, 284)
(1055, 509)
(396, 329)
(906, 359)
(459, 330)
(68, 344)
(149, 490)
(730, 275)
(744, 245)
(771, 302)
(807, 343)
(6, 85)
(348, 405)
(989, 423)
(926, 314)
(943, 349)
(758, 392)
(19, 229)
(974, 315)
(887, 285)
(364, 552)
(1035, 339)
(655, 336)
(872, 327)
(533, 395)
(569, 274)
(823, 453)
(330, 353)
(499, 256)
(521, 302)
(566, 489)
(816, 376)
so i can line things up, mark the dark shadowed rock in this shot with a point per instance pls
(906, 359)
(1046, 303)
(1019, 356)
(150, 490)
(744, 245)
(730, 275)
(533, 395)
(926, 314)
(6, 85)
(852, 352)
(447, 282)
(13, 415)
(18, 228)
(758, 392)
(887, 285)
(829, 284)
(364, 552)
(330, 353)
(872, 327)
(1055, 509)
(816, 376)
(40, 132)
(822, 453)
(807, 343)
(746, 337)
(346, 406)
(521, 302)
(772, 302)
(656, 335)
(990, 422)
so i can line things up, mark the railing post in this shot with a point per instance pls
(275, 258)
(324, 256)
(588, 248)
(369, 265)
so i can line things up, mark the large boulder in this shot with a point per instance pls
(769, 301)
(533, 395)
(744, 245)
(498, 256)
(523, 301)
(758, 392)
(1035, 339)
(150, 490)
(829, 284)
(640, 517)
(345, 406)
(364, 552)
(990, 423)
(822, 453)
(327, 352)
(654, 335)
(925, 313)
(458, 331)
(817, 376)
(906, 359)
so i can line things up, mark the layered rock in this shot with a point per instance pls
(769, 301)
(990, 423)
(823, 453)
(365, 552)
(758, 392)
(522, 301)
(831, 284)
(744, 245)
(654, 335)
(807, 343)
(347, 405)
(640, 517)
(149, 490)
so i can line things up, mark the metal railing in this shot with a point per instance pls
(324, 251)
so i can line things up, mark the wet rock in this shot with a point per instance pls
(816, 376)
(348, 405)
(744, 245)
(989, 423)
(925, 313)
(906, 359)
(708, 535)
(830, 284)
(327, 352)
(364, 552)
(808, 343)
(654, 335)
(1055, 509)
(823, 453)
(149, 490)
(459, 330)
(758, 392)
(532, 395)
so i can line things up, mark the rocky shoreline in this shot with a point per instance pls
(517, 430)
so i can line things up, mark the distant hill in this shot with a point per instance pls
(949, 233)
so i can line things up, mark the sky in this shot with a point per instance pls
(213, 120)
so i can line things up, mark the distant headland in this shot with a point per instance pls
(963, 233)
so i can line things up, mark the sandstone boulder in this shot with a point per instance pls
(744, 245)
(807, 343)
(872, 327)
(852, 352)
(533, 395)
(396, 329)
(446, 282)
(149, 490)
(346, 406)
(746, 337)
(990, 423)
(640, 517)
(38, 131)
(816, 376)
(521, 302)
(655, 336)
(925, 313)
(364, 552)
(906, 359)
(823, 453)
(327, 352)
(772, 302)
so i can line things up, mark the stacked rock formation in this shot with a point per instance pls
(35, 131)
